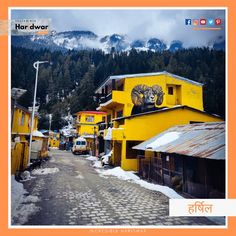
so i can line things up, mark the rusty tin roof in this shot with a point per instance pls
(204, 140)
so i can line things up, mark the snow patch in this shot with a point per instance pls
(22, 206)
(105, 158)
(129, 175)
(37, 133)
(45, 171)
(25, 176)
(79, 176)
(97, 164)
(164, 139)
(92, 158)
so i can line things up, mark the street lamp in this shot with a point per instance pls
(36, 66)
(94, 141)
(50, 122)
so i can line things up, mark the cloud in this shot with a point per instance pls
(165, 24)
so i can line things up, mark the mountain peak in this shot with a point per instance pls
(88, 40)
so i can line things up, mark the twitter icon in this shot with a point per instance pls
(210, 22)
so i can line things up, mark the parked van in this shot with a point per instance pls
(80, 146)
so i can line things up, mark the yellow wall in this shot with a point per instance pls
(141, 128)
(185, 93)
(54, 139)
(21, 122)
(19, 157)
(87, 128)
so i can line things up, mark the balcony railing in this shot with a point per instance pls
(105, 98)
(103, 126)
(115, 96)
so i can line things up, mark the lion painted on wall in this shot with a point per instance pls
(146, 98)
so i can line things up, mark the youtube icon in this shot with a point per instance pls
(203, 21)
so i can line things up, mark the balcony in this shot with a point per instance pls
(112, 99)
(118, 133)
(103, 126)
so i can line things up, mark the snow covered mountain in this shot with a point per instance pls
(87, 40)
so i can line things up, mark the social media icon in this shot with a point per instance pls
(188, 21)
(203, 21)
(195, 22)
(210, 22)
(218, 21)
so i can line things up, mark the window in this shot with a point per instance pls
(119, 113)
(131, 153)
(80, 143)
(79, 118)
(104, 119)
(89, 118)
(170, 90)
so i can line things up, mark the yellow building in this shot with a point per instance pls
(20, 132)
(87, 127)
(140, 106)
(54, 139)
(21, 121)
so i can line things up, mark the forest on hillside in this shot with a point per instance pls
(68, 84)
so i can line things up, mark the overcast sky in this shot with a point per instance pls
(167, 25)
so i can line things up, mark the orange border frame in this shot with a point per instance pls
(4, 230)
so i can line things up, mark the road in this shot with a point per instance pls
(78, 195)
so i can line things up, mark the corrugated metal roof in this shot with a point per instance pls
(119, 77)
(205, 140)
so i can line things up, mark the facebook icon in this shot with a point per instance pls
(188, 21)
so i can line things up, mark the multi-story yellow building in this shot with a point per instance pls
(87, 127)
(139, 106)
(21, 121)
(20, 131)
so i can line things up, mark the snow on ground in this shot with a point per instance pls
(45, 171)
(129, 175)
(92, 158)
(25, 176)
(52, 159)
(22, 206)
(105, 158)
(79, 176)
(95, 162)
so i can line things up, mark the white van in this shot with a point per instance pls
(79, 146)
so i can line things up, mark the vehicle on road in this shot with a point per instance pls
(80, 146)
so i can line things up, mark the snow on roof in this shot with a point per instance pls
(163, 140)
(89, 136)
(37, 133)
(205, 140)
(119, 77)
